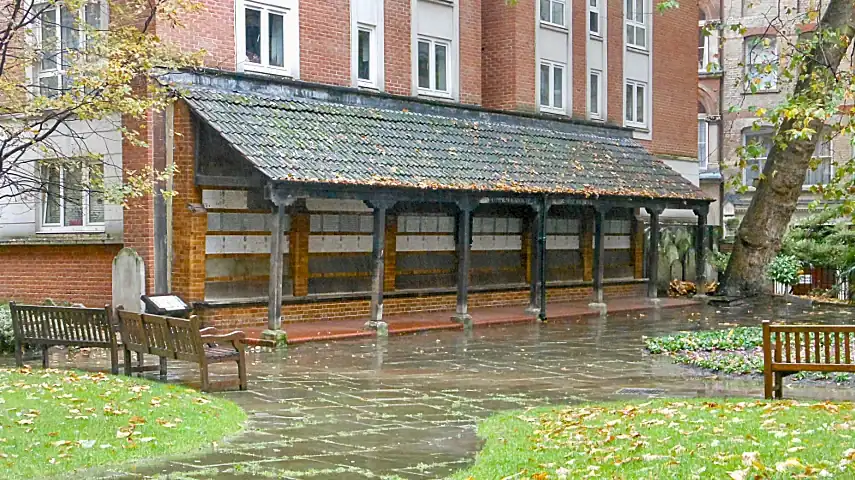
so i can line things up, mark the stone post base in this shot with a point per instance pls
(599, 307)
(381, 327)
(463, 318)
(278, 337)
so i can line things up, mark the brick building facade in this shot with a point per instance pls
(425, 57)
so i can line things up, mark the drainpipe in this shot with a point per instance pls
(170, 185)
(721, 82)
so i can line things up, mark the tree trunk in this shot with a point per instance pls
(759, 236)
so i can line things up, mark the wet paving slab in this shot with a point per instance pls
(407, 407)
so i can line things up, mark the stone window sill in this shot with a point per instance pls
(65, 239)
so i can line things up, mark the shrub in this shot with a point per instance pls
(7, 338)
(784, 269)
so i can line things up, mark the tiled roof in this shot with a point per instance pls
(305, 140)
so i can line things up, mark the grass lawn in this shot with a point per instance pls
(54, 422)
(670, 439)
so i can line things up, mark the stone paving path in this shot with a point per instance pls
(407, 407)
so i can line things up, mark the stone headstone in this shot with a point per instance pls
(128, 280)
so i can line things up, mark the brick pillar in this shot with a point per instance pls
(470, 51)
(636, 246)
(579, 53)
(613, 78)
(390, 253)
(189, 219)
(397, 42)
(586, 243)
(299, 253)
(138, 220)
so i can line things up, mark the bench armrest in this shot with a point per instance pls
(208, 331)
(236, 338)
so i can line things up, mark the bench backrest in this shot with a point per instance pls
(133, 332)
(175, 338)
(87, 327)
(822, 347)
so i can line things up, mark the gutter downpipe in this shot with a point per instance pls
(170, 185)
(721, 32)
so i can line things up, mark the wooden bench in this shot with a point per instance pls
(180, 339)
(788, 349)
(44, 327)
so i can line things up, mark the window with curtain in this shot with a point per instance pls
(63, 34)
(72, 197)
(264, 42)
(761, 63)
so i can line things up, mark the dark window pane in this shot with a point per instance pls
(363, 61)
(96, 193)
(595, 94)
(253, 35)
(51, 178)
(558, 13)
(594, 21)
(424, 65)
(544, 10)
(639, 104)
(629, 103)
(441, 56)
(544, 85)
(49, 39)
(72, 204)
(49, 85)
(276, 36)
(558, 88)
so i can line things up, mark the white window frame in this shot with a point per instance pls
(60, 227)
(36, 73)
(549, 20)
(634, 122)
(290, 37)
(749, 44)
(432, 91)
(759, 160)
(710, 50)
(373, 74)
(636, 22)
(551, 108)
(703, 139)
(595, 113)
(595, 29)
(826, 160)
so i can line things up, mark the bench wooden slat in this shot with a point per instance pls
(819, 342)
(179, 339)
(46, 326)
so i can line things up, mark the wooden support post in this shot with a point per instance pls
(378, 267)
(464, 260)
(277, 233)
(534, 264)
(701, 250)
(543, 213)
(599, 254)
(653, 252)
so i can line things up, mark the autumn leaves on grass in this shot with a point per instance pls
(670, 439)
(53, 421)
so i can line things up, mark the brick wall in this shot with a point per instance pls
(470, 51)
(507, 45)
(675, 74)
(396, 51)
(579, 54)
(325, 41)
(190, 222)
(73, 273)
(252, 316)
(139, 216)
(211, 28)
(614, 77)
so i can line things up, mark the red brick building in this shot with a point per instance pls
(447, 124)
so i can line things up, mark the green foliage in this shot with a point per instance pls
(822, 240)
(784, 269)
(719, 260)
(7, 337)
(730, 339)
(734, 363)
(55, 422)
(668, 439)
